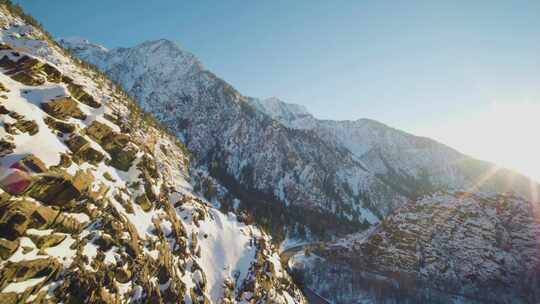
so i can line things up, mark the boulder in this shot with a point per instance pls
(78, 92)
(15, 115)
(98, 131)
(3, 88)
(9, 298)
(6, 147)
(53, 75)
(30, 71)
(82, 150)
(68, 224)
(44, 217)
(7, 248)
(28, 78)
(26, 70)
(24, 270)
(7, 63)
(10, 128)
(123, 158)
(86, 287)
(27, 126)
(63, 108)
(76, 143)
(65, 161)
(30, 163)
(46, 241)
(148, 165)
(4, 111)
(143, 201)
(123, 275)
(83, 180)
(58, 189)
(15, 218)
(104, 242)
(118, 145)
(60, 126)
(18, 216)
(99, 193)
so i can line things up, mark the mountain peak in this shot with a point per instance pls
(162, 43)
(290, 114)
(291, 107)
(79, 43)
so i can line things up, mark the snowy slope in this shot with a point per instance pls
(109, 215)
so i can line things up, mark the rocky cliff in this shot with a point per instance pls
(482, 248)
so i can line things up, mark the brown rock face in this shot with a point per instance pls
(30, 71)
(118, 145)
(46, 241)
(63, 108)
(32, 164)
(78, 92)
(57, 189)
(24, 126)
(15, 218)
(21, 271)
(19, 215)
(7, 248)
(83, 151)
(59, 125)
(6, 147)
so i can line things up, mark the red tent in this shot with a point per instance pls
(14, 179)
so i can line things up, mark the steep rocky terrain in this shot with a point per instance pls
(96, 203)
(242, 147)
(485, 248)
(345, 174)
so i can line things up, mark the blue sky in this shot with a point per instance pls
(429, 67)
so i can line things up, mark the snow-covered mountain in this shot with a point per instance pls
(404, 160)
(96, 203)
(477, 248)
(255, 156)
(289, 114)
(268, 151)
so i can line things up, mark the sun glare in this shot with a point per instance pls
(506, 134)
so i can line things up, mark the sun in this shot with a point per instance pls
(506, 134)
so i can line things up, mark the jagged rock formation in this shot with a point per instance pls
(96, 203)
(355, 171)
(483, 247)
